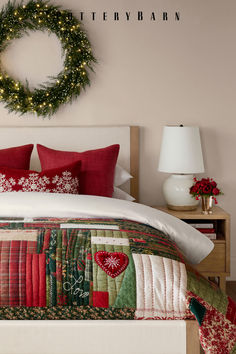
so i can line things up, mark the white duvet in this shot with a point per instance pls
(194, 245)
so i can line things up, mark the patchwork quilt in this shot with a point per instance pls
(69, 269)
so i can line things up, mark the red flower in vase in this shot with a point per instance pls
(205, 187)
(216, 191)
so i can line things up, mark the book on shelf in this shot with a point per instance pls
(202, 225)
(206, 230)
(211, 236)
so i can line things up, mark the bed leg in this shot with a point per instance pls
(192, 338)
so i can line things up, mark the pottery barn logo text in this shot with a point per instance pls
(139, 16)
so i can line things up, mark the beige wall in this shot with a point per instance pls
(151, 74)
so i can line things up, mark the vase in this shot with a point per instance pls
(207, 204)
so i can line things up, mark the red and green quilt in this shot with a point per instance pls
(69, 269)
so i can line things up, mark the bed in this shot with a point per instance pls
(90, 336)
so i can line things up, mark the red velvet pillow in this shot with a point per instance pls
(16, 157)
(57, 180)
(97, 167)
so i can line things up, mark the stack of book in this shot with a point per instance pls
(207, 229)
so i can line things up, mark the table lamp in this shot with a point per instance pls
(181, 155)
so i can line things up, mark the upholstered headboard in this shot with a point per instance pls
(77, 138)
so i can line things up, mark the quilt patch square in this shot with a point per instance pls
(160, 286)
(101, 299)
(13, 271)
(113, 263)
(198, 310)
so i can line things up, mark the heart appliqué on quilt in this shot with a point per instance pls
(113, 263)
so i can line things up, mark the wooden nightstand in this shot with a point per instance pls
(217, 264)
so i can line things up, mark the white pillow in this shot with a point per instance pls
(121, 176)
(120, 194)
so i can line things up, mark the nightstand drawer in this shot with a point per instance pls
(215, 261)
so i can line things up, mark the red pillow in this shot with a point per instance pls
(57, 180)
(97, 167)
(16, 157)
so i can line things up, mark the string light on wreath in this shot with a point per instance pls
(16, 21)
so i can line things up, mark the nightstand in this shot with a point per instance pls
(217, 264)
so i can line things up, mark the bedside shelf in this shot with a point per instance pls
(217, 263)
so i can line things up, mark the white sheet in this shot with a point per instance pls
(194, 245)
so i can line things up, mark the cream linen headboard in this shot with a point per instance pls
(77, 138)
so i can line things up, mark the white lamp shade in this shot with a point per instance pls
(181, 150)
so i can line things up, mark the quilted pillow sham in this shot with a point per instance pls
(60, 180)
(16, 157)
(97, 167)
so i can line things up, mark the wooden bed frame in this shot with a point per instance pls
(134, 162)
(92, 337)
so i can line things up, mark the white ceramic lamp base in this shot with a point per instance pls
(176, 192)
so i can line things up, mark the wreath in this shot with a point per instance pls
(17, 20)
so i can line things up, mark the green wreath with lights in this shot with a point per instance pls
(18, 20)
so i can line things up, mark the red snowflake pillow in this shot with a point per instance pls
(57, 180)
